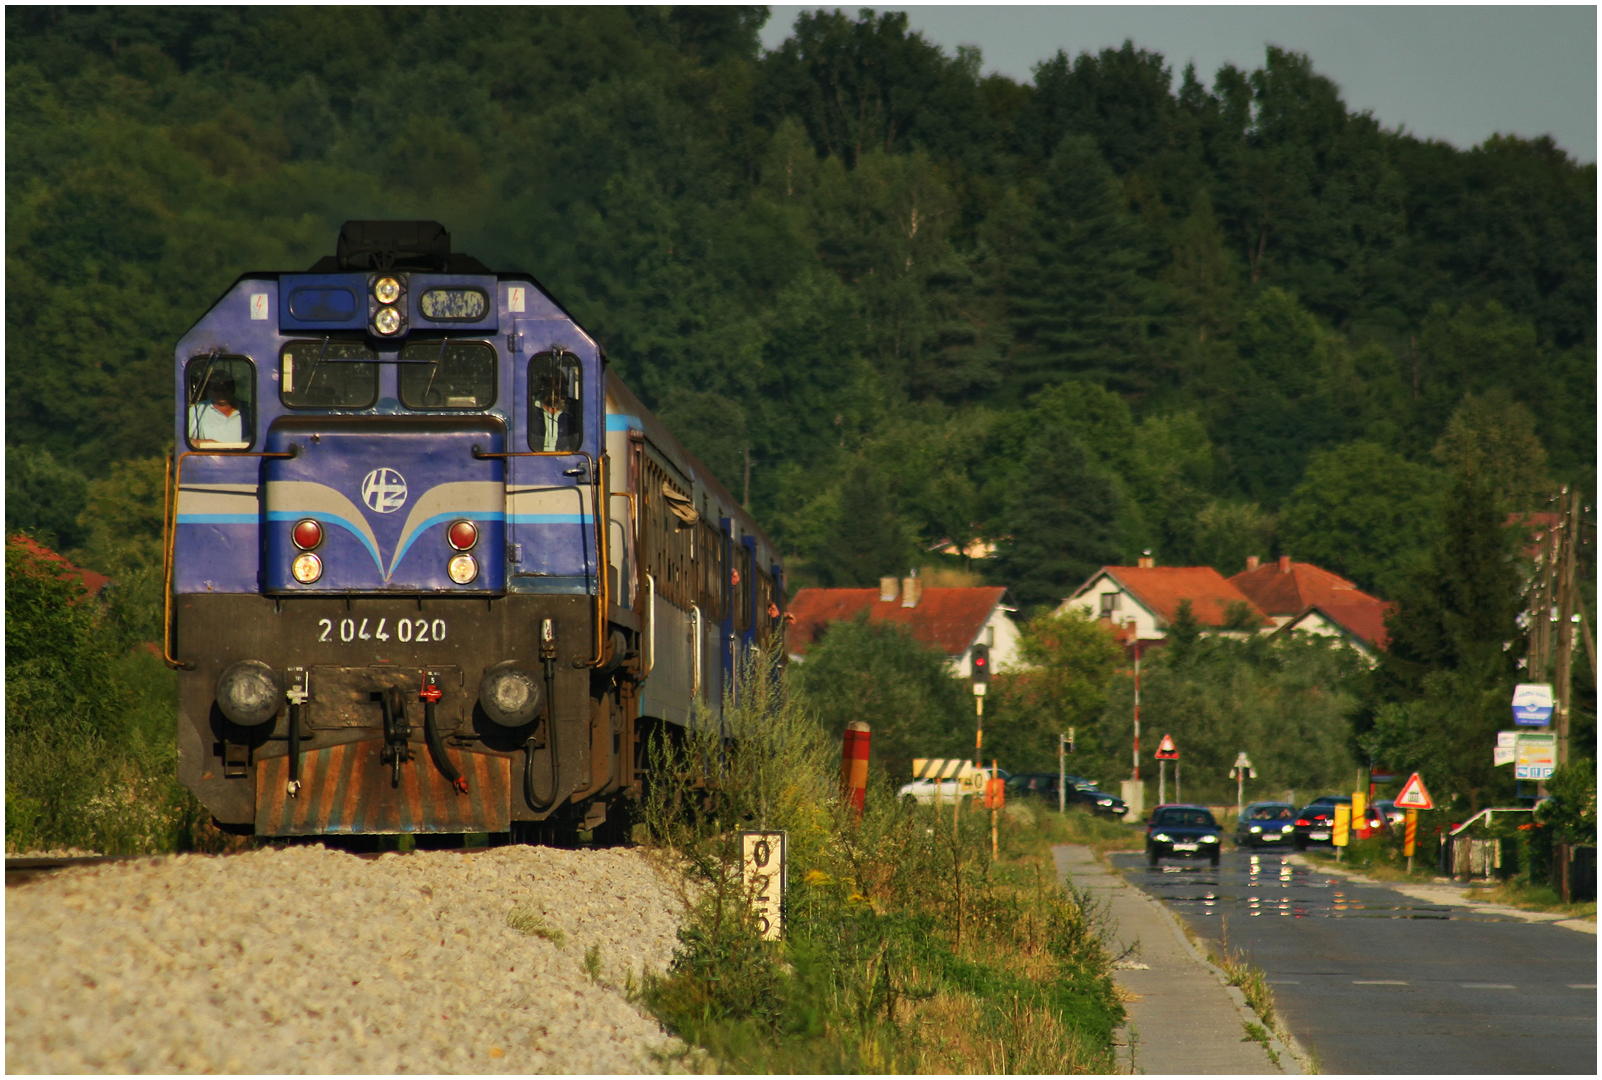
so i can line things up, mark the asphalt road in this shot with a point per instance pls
(1376, 982)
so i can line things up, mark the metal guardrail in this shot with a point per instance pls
(1488, 811)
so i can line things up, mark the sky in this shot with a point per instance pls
(1459, 74)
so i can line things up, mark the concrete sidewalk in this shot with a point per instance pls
(1182, 1016)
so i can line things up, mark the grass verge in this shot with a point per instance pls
(1527, 897)
(907, 947)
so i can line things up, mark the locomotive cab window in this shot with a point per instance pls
(220, 398)
(555, 390)
(447, 375)
(325, 374)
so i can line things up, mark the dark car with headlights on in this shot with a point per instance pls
(1265, 823)
(1183, 832)
(1316, 823)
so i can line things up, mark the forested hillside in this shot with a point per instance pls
(1223, 312)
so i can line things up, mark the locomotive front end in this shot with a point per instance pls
(389, 595)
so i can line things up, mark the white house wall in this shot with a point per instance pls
(1003, 637)
(1088, 600)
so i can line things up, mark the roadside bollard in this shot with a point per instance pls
(854, 766)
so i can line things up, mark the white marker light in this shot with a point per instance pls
(307, 568)
(463, 569)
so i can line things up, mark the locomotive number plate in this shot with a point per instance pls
(367, 628)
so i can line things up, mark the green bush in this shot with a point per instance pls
(90, 741)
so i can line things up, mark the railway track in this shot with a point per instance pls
(20, 871)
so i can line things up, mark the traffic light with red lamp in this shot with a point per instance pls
(981, 663)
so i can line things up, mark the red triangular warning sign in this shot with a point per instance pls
(1167, 749)
(1413, 796)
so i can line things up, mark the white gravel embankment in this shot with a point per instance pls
(308, 960)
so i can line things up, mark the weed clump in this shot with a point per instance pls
(527, 919)
(906, 946)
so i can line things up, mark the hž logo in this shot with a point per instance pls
(384, 490)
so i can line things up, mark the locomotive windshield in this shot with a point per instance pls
(221, 398)
(328, 374)
(554, 386)
(447, 375)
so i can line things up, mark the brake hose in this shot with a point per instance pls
(548, 659)
(431, 694)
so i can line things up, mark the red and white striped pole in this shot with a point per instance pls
(854, 766)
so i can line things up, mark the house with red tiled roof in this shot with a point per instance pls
(1360, 624)
(952, 620)
(1301, 597)
(1151, 596)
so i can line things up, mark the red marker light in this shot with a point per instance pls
(307, 534)
(462, 535)
(1303, 822)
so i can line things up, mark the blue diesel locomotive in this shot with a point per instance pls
(431, 568)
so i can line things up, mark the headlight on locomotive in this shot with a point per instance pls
(387, 321)
(249, 693)
(463, 569)
(509, 694)
(387, 290)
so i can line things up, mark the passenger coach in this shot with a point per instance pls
(430, 566)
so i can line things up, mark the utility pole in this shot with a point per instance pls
(1134, 634)
(1565, 627)
(1062, 773)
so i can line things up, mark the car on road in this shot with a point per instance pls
(1080, 792)
(1183, 831)
(1265, 823)
(1316, 822)
(929, 791)
(1393, 816)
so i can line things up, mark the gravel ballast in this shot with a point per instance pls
(303, 959)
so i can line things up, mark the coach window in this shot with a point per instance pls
(220, 399)
(555, 389)
(447, 374)
(325, 374)
(742, 589)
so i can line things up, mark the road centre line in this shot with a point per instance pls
(1378, 982)
(1488, 986)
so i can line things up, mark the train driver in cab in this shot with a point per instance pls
(217, 421)
(555, 414)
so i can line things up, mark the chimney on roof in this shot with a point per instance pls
(888, 588)
(1251, 563)
(911, 592)
(1146, 562)
(1284, 564)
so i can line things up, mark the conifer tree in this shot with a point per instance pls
(1081, 307)
(1441, 690)
(869, 540)
(1060, 521)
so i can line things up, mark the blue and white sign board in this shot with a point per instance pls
(1535, 756)
(1506, 746)
(1532, 704)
